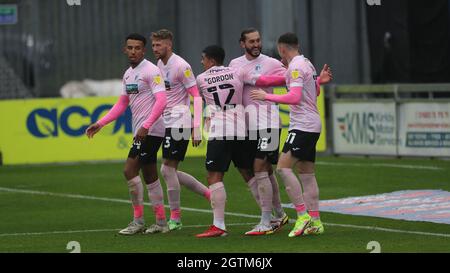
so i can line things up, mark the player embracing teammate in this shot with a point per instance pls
(263, 132)
(159, 101)
(304, 130)
(144, 91)
(223, 89)
(180, 84)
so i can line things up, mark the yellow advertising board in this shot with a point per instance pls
(52, 130)
(284, 114)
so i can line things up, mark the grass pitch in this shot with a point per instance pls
(43, 208)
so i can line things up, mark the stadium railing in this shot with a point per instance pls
(393, 119)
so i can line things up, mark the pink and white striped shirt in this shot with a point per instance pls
(140, 84)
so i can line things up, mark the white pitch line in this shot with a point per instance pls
(56, 232)
(390, 230)
(100, 230)
(380, 165)
(116, 200)
(77, 196)
(382, 229)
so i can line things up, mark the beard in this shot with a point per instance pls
(136, 61)
(250, 51)
(161, 55)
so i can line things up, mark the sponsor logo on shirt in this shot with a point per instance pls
(167, 84)
(132, 88)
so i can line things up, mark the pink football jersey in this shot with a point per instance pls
(140, 83)
(178, 77)
(304, 116)
(222, 88)
(267, 114)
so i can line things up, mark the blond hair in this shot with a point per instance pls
(162, 34)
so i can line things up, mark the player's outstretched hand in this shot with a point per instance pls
(258, 94)
(141, 134)
(326, 75)
(93, 129)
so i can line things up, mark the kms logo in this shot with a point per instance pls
(358, 128)
(44, 122)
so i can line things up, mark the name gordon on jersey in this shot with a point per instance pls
(219, 78)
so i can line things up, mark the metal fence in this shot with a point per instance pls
(53, 43)
(392, 120)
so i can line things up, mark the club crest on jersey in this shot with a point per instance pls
(187, 73)
(258, 68)
(157, 79)
(132, 88)
(295, 74)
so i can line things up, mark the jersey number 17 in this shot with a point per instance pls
(222, 88)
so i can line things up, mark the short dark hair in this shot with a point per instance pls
(245, 32)
(136, 36)
(162, 34)
(215, 52)
(289, 38)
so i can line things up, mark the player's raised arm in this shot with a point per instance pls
(325, 77)
(115, 112)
